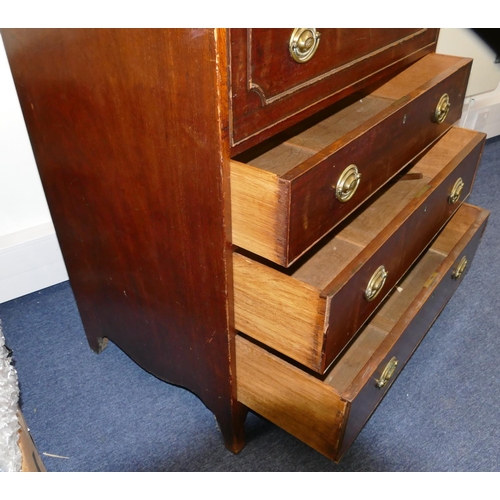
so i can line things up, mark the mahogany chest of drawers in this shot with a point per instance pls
(270, 218)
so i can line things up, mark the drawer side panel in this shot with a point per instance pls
(262, 294)
(289, 397)
(259, 211)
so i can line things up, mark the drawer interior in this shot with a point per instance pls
(281, 154)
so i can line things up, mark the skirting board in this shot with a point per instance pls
(482, 113)
(30, 260)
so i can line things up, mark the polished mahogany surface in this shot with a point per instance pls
(126, 128)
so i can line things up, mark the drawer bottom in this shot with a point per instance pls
(327, 412)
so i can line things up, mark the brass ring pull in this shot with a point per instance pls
(376, 283)
(442, 108)
(460, 268)
(389, 370)
(303, 44)
(456, 191)
(347, 184)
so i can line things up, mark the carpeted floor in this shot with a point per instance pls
(104, 413)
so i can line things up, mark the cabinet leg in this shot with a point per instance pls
(233, 428)
(97, 344)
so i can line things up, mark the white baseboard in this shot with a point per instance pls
(30, 260)
(482, 113)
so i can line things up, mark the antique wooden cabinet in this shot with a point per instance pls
(271, 218)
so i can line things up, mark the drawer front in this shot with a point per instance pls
(272, 89)
(408, 333)
(303, 205)
(313, 312)
(327, 412)
(378, 153)
(349, 308)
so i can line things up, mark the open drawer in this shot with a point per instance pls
(311, 311)
(328, 412)
(288, 193)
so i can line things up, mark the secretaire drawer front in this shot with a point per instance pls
(277, 74)
(312, 311)
(328, 411)
(315, 176)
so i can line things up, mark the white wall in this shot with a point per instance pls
(30, 258)
(485, 74)
(482, 104)
(23, 203)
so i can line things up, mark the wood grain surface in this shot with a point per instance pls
(128, 128)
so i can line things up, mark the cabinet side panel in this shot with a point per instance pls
(126, 130)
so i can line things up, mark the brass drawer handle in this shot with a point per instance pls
(303, 44)
(460, 268)
(347, 184)
(376, 283)
(442, 108)
(389, 370)
(456, 191)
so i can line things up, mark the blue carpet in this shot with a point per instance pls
(105, 413)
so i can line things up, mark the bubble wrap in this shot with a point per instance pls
(10, 453)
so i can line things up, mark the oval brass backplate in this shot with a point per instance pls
(460, 268)
(348, 183)
(442, 108)
(303, 44)
(376, 283)
(389, 370)
(456, 191)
